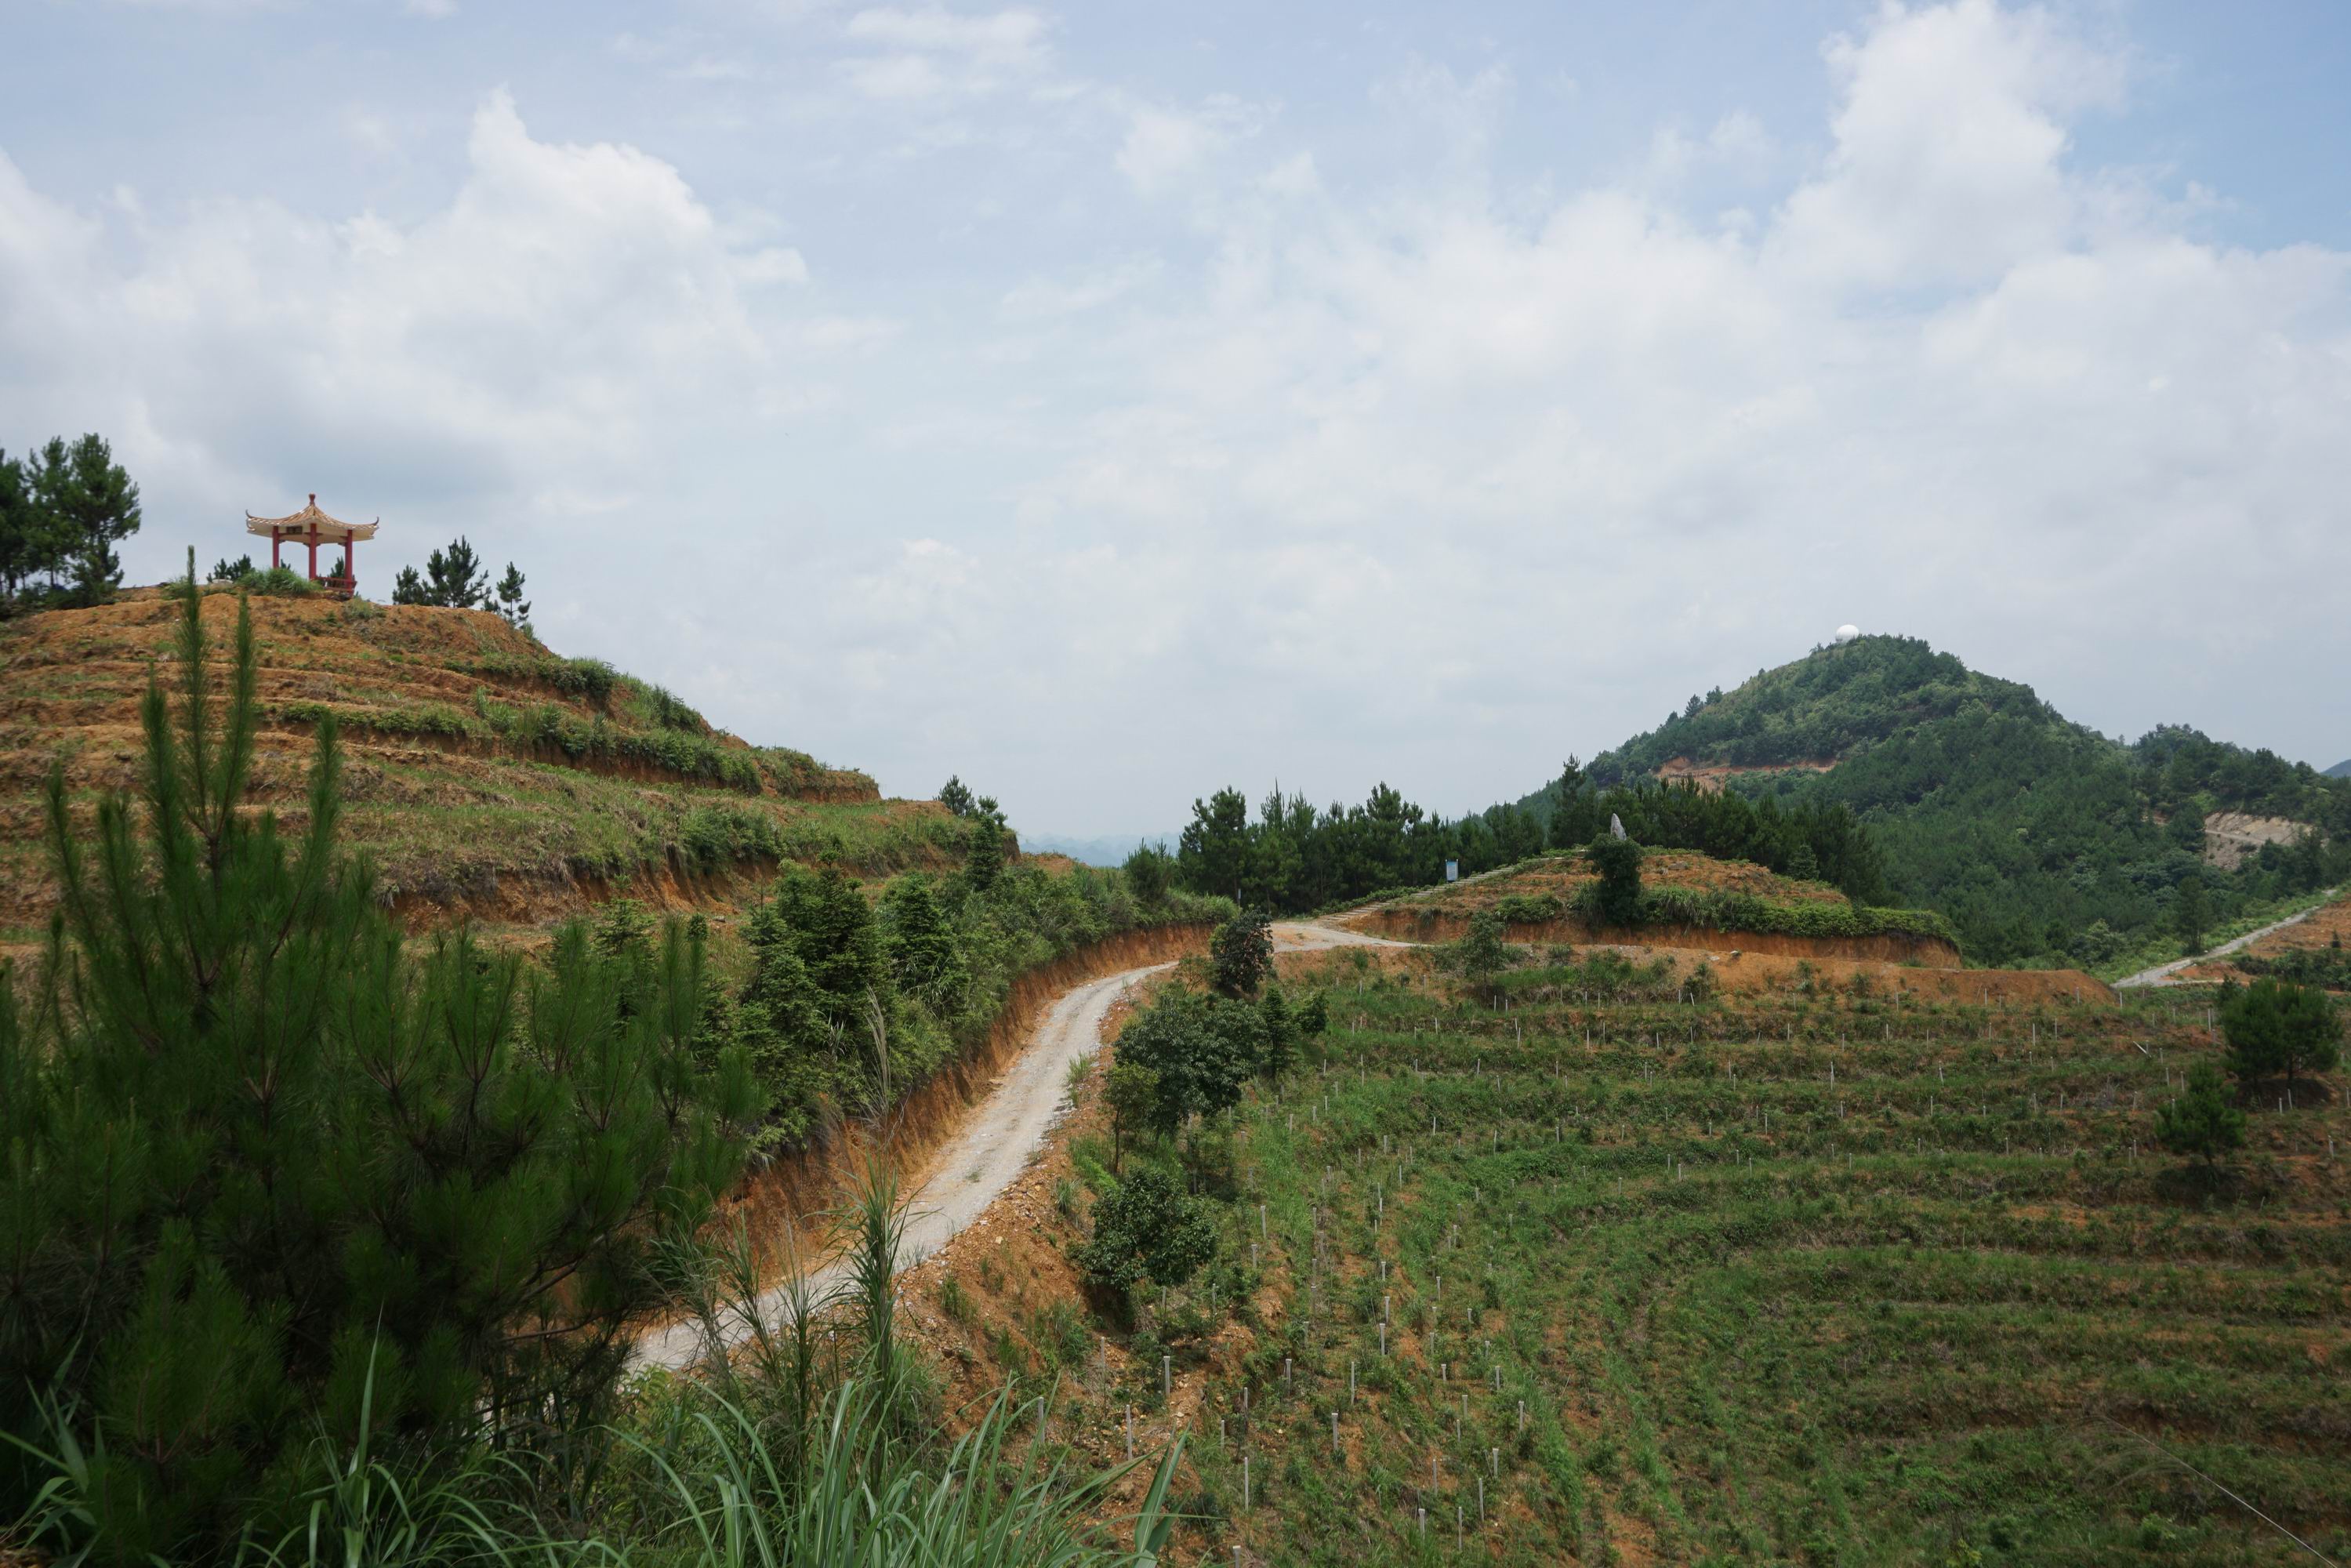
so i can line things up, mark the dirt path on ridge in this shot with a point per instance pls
(2161, 973)
(1000, 1135)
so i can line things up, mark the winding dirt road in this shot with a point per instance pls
(2161, 973)
(1001, 1134)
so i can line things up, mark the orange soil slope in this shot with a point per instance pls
(1745, 972)
(1709, 776)
(461, 815)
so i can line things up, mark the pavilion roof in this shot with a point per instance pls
(302, 522)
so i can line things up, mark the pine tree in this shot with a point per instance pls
(924, 959)
(2202, 1122)
(835, 931)
(2189, 915)
(510, 601)
(1576, 817)
(270, 1174)
(1213, 851)
(2275, 1027)
(1618, 860)
(1280, 1035)
(21, 545)
(95, 506)
(779, 1021)
(1314, 1017)
(49, 484)
(984, 853)
(453, 578)
(1148, 871)
(1482, 953)
(456, 577)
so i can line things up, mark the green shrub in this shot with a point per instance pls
(1724, 911)
(1146, 1229)
(1530, 908)
(278, 582)
(270, 1176)
(1615, 898)
(591, 678)
(718, 835)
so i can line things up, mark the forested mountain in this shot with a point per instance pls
(2043, 839)
(2341, 769)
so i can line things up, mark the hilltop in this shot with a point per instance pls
(1688, 899)
(487, 777)
(2041, 840)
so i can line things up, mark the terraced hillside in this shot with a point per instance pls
(1687, 899)
(1615, 1274)
(485, 775)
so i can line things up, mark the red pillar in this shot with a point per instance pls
(313, 542)
(350, 566)
(276, 539)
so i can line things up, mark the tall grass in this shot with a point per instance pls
(770, 1457)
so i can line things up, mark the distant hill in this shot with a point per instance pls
(1109, 849)
(2341, 769)
(485, 776)
(2041, 838)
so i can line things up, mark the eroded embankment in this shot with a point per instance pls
(1435, 926)
(811, 1180)
(1743, 972)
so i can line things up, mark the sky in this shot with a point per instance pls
(1110, 403)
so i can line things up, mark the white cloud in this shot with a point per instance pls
(532, 335)
(929, 52)
(1464, 115)
(1165, 145)
(1042, 299)
(1009, 37)
(1948, 163)
(1737, 146)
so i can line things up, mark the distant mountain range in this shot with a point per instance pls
(1110, 849)
(2341, 769)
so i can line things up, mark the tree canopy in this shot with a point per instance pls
(63, 509)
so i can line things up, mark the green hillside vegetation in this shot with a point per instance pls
(1575, 1261)
(2044, 841)
(312, 1234)
(1666, 888)
(1294, 857)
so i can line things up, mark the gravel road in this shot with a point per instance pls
(2161, 973)
(1004, 1132)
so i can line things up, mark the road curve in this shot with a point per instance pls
(2161, 973)
(999, 1136)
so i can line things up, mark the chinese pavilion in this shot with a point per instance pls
(313, 527)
